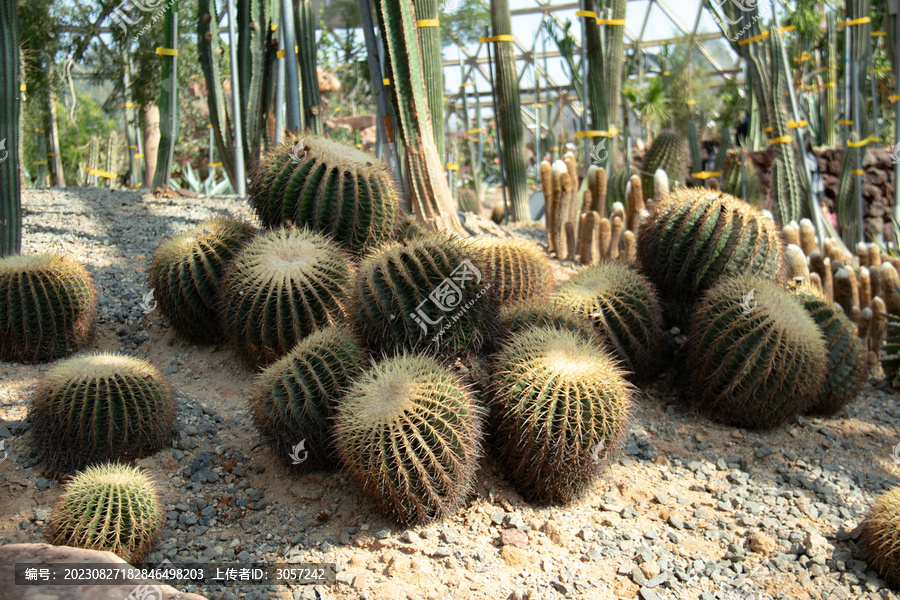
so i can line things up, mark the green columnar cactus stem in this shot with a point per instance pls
(694, 147)
(295, 399)
(597, 98)
(618, 183)
(756, 357)
(509, 113)
(667, 152)
(560, 406)
(10, 103)
(829, 122)
(112, 157)
(615, 64)
(305, 28)
(429, 37)
(253, 45)
(209, 49)
(110, 507)
(846, 204)
(98, 407)
(787, 191)
(169, 100)
(409, 434)
(49, 305)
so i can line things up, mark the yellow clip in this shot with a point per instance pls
(537, 105)
(586, 13)
(39, 131)
(467, 83)
(134, 185)
(860, 21)
(209, 126)
(767, 129)
(706, 174)
(878, 33)
(786, 139)
(104, 174)
(280, 53)
(894, 97)
(858, 144)
(167, 51)
(273, 27)
(505, 37)
(139, 156)
(428, 23)
(39, 162)
(588, 134)
(296, 49)
(882, 70)
(23, 87)
(829, 84)
(797, 124)
(452, 167)
(858, 172)
(803, 58)
(127, 105)
(52, 154)
(786, 29)
(665, 73)
(620, 22)
(756, 38)
(386, 81)
(215, 164)
(479, 130)
(690, 103)
(845, 122)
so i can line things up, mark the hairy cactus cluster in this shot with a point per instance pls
(109, 507)
(294, 401)
(409, 434)
(48, 306)
(756, 357)
(560, 406)
(880, 537)
(668, 152)
(623, 307)
(187, 272)
(281, 287)
(429, 294)
(329, 187)
(517, 269)
(99, 407)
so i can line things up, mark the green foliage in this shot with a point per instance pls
(624, 309)
(281, 287)
(409, 434)
(49, 307)
(187, 271)
(464, 24)
(650, 101)
(295, 399)
(879, 541)
(99, 407)
(110, 507)
(560, 406)
(756, 358)
(517, 269)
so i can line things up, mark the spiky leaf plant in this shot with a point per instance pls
(409, 434)
(560, 407)
(880, 539)
(429, 294)
(48, 305)
(518, 269)
(697, 236)
(98, 407)
(281, 287)
(109, 507)
(187, 271)
(847, 368)
(526, 314)
(756, 358)
(294, 400)
(668, 152)
(467, 200)
(327, 186)
(622, 305)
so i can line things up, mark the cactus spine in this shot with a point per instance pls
(880, 538)
(667, 152)
(209, 49)
(169, 100)
(305, 28)
(10, 103)
(787, 190)
(429, 37)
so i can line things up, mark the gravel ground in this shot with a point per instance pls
(690, 509)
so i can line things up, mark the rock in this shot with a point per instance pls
(514, 557)
(815, 545)
(514, 537)
(650, 569)
(762, 544)
(552, 531)
(45, 553)
(625, 588)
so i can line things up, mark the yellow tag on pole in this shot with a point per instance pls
(280, 53)
(589, 14)
(215, 164)
(756, 38)
(505, 37)
(167, 51)
(104, 174)
(452, 167)
(860, 21)
(428, 23)
(797, 124)
(786, 139)
(706, 174)
(618, 22)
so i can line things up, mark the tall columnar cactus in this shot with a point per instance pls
(596, 99)
(623, 306)
(254, 43)
(281, 287)
(509, 112)
(517, 269)
(847, 204)
(330, 187)
(187, 271)
(428, 34)
(880, 539)
(829, 109)
(169, 99)
(10, 103)
(49, 305)
(847, 368)
(209, 49)
(734, 176)
(615, 64)
(410, 435)
(110, 507)
(695, 237)
(694, 147)
(98, 407)
(295, 399)
(305, 28)
(667, 152)
(429, 294)
(560, 406)
(756, 358)
(618, 184)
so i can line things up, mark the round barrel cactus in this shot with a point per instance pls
(294, 400)
(526, 314)
(429, 294)
(667, 151)
(109, 507)
(409, 434)
(326, 186)
(560, 407)
(517, 269)
(98, 407)
(48, 306)
(187, 271)
(879, 542)
(756, 358)
(281, 287)
(623, 307)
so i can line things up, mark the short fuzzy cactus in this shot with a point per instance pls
(623, 306)
(409, 434)
(109, 507)
(294, 399)
(668, 152)
(847, 368)
(326, 186)
(187, 271)
(48, 306)
(695, 237)
(526, 314)
(560, 407)
(879, 541)
(467, 200)
(756, 358)
(281, 287)
(429, 294)
(93, 408)
(518, 269)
